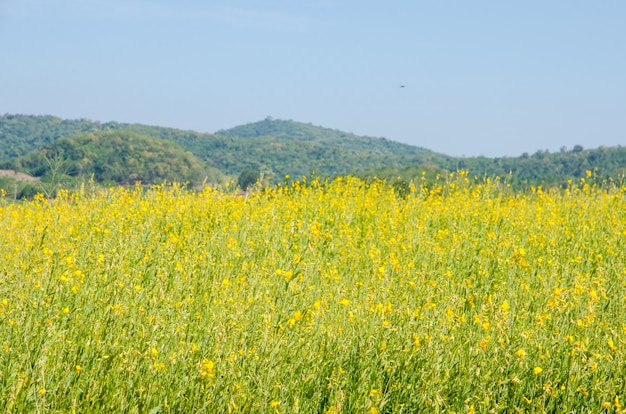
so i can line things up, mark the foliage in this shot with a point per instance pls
(248, 178)
(119, 157)
(21, 134)
(282, 148)
(300, 132)
(291, 148)
(315, 296)
(543, 168)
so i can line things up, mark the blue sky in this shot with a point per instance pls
(486, 78)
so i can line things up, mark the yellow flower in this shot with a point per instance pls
(486, 324)
(207, 369)
(297, 315)
(611, 344)
(537, 370)
(416, 341)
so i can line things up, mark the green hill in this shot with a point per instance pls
(275, 147)
(116, 157)
(542, 168)
(278, 147)
(21, 134)
(552, 168)
(324, 137)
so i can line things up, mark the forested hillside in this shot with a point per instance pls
(551, 168)
(272, 147)
(278, 148)
(542, 168)
(115, 157)
(325, 137)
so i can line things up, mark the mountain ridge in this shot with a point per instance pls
(285, 147)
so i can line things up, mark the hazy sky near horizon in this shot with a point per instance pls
(489, 78)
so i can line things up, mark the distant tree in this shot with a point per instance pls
(577, 148)
(247, 178)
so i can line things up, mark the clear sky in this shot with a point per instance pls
(481, 77)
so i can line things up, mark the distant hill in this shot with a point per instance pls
(551, 169)
(274, 147)
(541, 168)
(21, 134)
(115, 157)
(277, 147)
(295, 148)
(324, 137)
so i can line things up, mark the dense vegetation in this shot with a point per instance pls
(549, 168)
(541, 168)
(115, 157)
(336, 297)
(276, 148)
(284, 148)
(325, 137)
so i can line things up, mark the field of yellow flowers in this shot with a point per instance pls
(333, 297)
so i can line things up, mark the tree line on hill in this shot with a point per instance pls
(112, 152)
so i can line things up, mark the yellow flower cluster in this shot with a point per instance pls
(337, 296)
